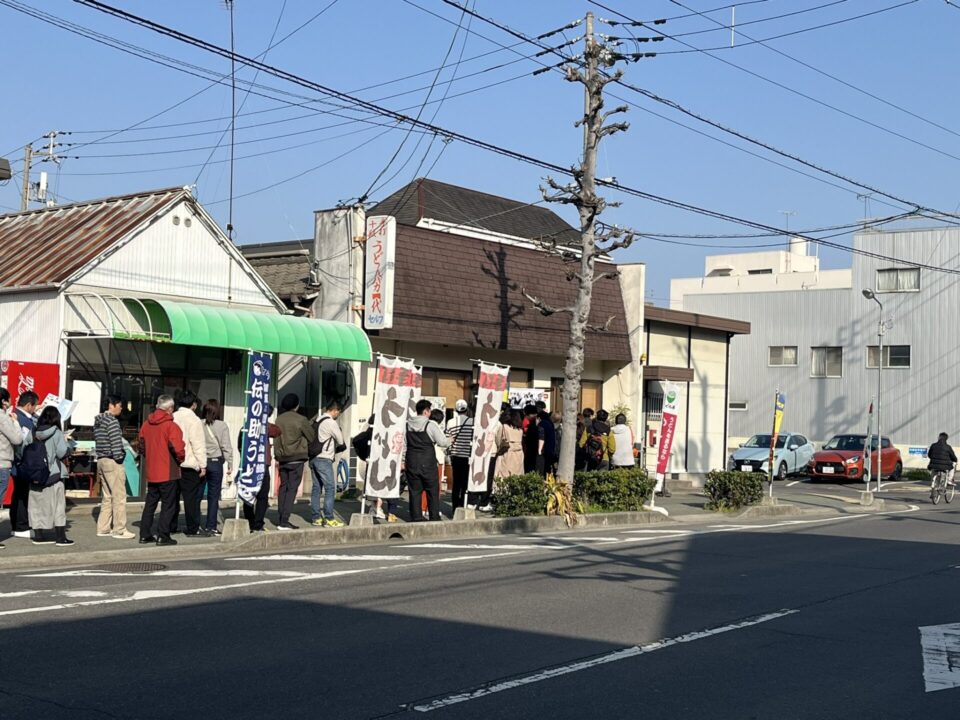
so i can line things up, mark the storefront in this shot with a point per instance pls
(140, 296)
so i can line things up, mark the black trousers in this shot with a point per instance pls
(461, 474)
(165, 493)
(291, 475)
(258, 511)
(191, 485)
(19, 520)
(423, 480)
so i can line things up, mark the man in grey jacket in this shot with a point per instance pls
(111, 453)
(329, 443)
(423, 438)
(10, 438)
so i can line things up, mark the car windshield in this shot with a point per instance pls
(845, 442)
(763, 441)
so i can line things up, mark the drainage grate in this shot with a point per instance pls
(395, 536)
(132, 567)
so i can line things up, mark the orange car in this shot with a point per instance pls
(842, 459)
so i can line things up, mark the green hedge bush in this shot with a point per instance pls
(520, 495)
(917, 475)
(621, 490)
(732, 490)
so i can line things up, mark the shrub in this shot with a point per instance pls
(560, 501)
(732, 490)
(917, 475)
(520, 495)
(620, 490)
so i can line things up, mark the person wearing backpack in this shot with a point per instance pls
(10, 439)
(19, 518)
(43, 467)
(598, 444)
(323, 451)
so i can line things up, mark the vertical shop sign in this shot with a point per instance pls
(398, 382)
(253, 455)
(378, 279)
(494, 382)
(671, 404)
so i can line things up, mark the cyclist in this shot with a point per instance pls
(942, 459)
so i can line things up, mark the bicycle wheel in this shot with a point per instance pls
(937, 489)
(949, 492)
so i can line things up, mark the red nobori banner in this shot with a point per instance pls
(494, 381)
(398, 382)
(668, 427)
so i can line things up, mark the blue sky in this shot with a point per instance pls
(57, 80)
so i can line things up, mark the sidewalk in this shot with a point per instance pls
(683, 506)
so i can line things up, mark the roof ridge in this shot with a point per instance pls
(99, 201)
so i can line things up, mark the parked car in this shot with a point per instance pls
(842, 458)
(791, 455)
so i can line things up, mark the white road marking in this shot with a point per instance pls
(611, 657)
(669, 533)
(20, 593)
(171, 573)
(476, 546)
(277, 558)
(585, 539)
(303, 577)
(82, 593)
(940, 643)
(793, 482)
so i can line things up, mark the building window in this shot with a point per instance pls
(739, 406)
(760, 271)
(898, 280)
(894, 356)
(783, 356)
(826, 362)
(653, 406)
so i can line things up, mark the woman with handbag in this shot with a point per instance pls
(219, 460)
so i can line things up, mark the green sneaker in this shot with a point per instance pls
(319, 522)
(333, 523)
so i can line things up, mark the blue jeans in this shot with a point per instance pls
(4, 479)
(214, 478)
(325, 478)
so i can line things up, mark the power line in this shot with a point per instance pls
(770, 18)
(468, 140)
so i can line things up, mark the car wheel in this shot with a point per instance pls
(782, 472)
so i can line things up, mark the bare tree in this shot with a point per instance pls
(594, 242)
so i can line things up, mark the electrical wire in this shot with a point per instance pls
(506, 152)
(771, 18)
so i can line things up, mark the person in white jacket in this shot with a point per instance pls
(10, 437)
(194, 465)
(329, 444)
(623, 454)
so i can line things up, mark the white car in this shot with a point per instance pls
(790, 456)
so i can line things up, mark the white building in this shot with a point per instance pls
(814, 336)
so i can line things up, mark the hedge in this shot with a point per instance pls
(624, 489)
(732, 490)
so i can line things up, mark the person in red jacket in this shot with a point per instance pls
(161, 450)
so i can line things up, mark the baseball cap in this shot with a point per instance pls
(461, 406)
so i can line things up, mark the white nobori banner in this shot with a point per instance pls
(398, 382)
(492, 386)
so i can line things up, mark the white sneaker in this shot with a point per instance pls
(23, 534)
(471, 507)
(486, 508)
(106, 534)
(379, 514)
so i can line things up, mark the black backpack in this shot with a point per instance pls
(595, 447)
(33, 466)
(361, 443)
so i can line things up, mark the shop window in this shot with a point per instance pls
(521, 378)
(783, 356)
(826, 362)
(894, 356)
(892, 280)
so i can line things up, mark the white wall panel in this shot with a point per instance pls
(29, 327)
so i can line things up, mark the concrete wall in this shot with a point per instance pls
(918, 402)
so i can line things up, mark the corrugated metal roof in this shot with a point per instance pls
(46, 247)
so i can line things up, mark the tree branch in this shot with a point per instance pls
(602, 328)
(543, 307)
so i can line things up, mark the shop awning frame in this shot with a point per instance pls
(184, 323)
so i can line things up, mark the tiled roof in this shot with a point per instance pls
(425, 198)
(284, 266)
(457, 291)
(46, 247)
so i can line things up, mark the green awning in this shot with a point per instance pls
(224, 327)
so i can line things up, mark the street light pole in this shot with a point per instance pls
(871, 295)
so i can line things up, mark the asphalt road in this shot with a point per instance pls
(808, 618)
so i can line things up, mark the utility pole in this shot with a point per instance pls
(25, 192)
(588, 69)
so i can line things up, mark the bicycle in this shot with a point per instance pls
(942, 486)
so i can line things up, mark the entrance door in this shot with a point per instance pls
(591, 395)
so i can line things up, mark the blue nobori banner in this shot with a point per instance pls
(253, 456)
